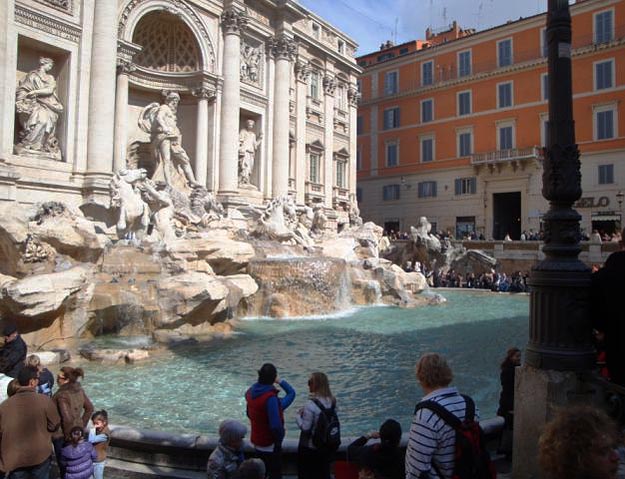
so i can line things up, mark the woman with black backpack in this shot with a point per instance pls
(320, 432)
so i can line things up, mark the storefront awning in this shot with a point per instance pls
(606, 217)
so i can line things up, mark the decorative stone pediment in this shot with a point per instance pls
(341, 155)
(315, 147)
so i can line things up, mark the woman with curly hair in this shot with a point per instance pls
(579, 443)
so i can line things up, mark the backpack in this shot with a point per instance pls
(471, 459)
(326, 435)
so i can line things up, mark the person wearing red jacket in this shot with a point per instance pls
(265, 410)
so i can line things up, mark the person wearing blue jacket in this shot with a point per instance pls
(266, 412)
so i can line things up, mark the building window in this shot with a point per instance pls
(465, 143)
(605, 119)
(385, 56)
(604, 71)
(544, 42)
(606, 174)
(314, 85)
(504, 95)
(360, 125)
(390, 192)
(391, 118)
(391, 153)
(314, 171)
(341, 173)
(358, 194)
(464, 63)
(604, 27)
(544, 129)
(427, 149)
(504, 52)
(341, 46)
(426, 189)
(465, 186)
(316, 29)
(403, 51)
(427, 73)
(427, 110)
(464, 102)
(358, 159)
(506, 137)
(544, 86)
(390, 83)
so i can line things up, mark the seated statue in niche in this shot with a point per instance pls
(161, 123)
(38, 108)
(248, 144)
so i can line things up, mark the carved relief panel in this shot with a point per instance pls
(252, 62)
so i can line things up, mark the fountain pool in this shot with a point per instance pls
(368, 353)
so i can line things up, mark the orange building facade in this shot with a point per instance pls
(452, 128)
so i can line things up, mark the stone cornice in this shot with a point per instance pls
(51, 25)
(233, 21)
(64, 6)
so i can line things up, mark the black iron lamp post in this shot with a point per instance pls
(619, 199)
(560, 329)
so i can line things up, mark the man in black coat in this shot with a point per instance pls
(13, 353)
(608, 310)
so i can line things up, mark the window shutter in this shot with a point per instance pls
(433, 188)
(458, 186)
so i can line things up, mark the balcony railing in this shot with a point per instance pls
(314, 190)
(447, 73)
(507, 156)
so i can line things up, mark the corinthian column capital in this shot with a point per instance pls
(329, 85)
(233, 21)
(302, 70)
(204, 93)
(282, 47)
(125, 67)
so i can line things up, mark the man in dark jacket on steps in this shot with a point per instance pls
(13, 353)
(265, 410)
(608, 312)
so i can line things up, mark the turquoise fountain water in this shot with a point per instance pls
(369, 355)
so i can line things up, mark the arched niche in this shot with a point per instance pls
(136, 11)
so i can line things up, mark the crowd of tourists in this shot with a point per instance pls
(492, 281)
(444, 440)
(39, 422)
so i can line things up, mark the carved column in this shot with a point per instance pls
(124, 68)
(353, 96)
(232, 21)
(283, 50)
(329, 88)
(204, 96)
(101, 86)
(302, 75)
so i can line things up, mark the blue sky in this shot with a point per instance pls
(370, 22)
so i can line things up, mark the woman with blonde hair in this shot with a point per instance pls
(314, 462)
(579, 443)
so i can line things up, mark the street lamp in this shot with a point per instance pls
(560, 330)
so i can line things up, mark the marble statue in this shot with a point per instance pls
(161, 123)
(278, 220)
(248, 143)
(355, 220)
(250, 64)
(139, 201)
(38, 108)
(319, 221)
(134, 215)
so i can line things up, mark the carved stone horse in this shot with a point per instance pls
(134, 213)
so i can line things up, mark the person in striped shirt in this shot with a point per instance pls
(431, 442)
